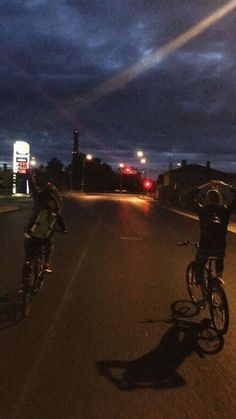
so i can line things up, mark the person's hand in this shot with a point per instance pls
(221, 183)
(218, 183)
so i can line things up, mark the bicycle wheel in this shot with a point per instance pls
(39, 271)
(218, 306)
(197, 292)
(28, 277)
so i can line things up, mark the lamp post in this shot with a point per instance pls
(170, 154)
(143, 161)
(86, 157)
(32, 162)
(121, 166)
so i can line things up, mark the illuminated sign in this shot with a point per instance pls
(21, 157)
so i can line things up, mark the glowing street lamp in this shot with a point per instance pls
(140, 153)
(121, 166)
(86, 157)
(144, 161)
(89, 156)
(32, 162)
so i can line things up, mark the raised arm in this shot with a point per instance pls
(194, 199)
(232, 205)
(32, 184)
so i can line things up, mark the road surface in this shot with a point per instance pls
(112, 333)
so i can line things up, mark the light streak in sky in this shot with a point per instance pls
(131, 73)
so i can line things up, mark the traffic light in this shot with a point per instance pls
(127, 170)
(147, 184)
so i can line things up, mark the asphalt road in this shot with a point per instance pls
(112, 333)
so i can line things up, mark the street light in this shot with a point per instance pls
(144, 161)
(86, 157)
(140, 153)
(32, 162)
(121, 165)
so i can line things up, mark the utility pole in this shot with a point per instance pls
(75, 142)
(75, 153)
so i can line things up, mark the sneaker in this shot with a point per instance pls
(48, 267)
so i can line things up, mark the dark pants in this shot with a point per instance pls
(202, 257)
(32, 245)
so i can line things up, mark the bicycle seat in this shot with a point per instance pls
(213, 258)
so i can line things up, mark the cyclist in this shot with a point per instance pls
(213, 218)
(46, 197)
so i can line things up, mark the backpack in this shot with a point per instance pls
(54, 201)
(44, 224)
(213, 227)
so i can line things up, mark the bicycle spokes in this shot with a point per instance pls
(219, 309)
(196, 290)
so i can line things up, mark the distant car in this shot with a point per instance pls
(123, 190)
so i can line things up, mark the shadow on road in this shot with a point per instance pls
(208, 341)
(10, 309)
(158, 368)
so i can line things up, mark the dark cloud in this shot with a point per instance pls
(58, 58)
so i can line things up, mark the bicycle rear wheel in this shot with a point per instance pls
(39, 270)
(197, 292)
(218, 307)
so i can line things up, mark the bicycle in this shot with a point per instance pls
(209, 291)
(33, 274)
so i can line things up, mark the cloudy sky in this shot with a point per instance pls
(156, 75)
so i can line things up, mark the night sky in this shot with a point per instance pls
(129, 74)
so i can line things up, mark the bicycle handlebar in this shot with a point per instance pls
(188, 242)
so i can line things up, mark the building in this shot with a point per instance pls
(175, 185)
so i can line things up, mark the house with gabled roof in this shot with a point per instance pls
(175, 185)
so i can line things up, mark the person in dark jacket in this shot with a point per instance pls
(214, 217)
(46, 197)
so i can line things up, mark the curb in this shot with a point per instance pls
(7, 208)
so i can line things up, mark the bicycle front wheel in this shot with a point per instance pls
(196, 291)
(218, 306)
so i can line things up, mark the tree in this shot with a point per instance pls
(55, 171)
